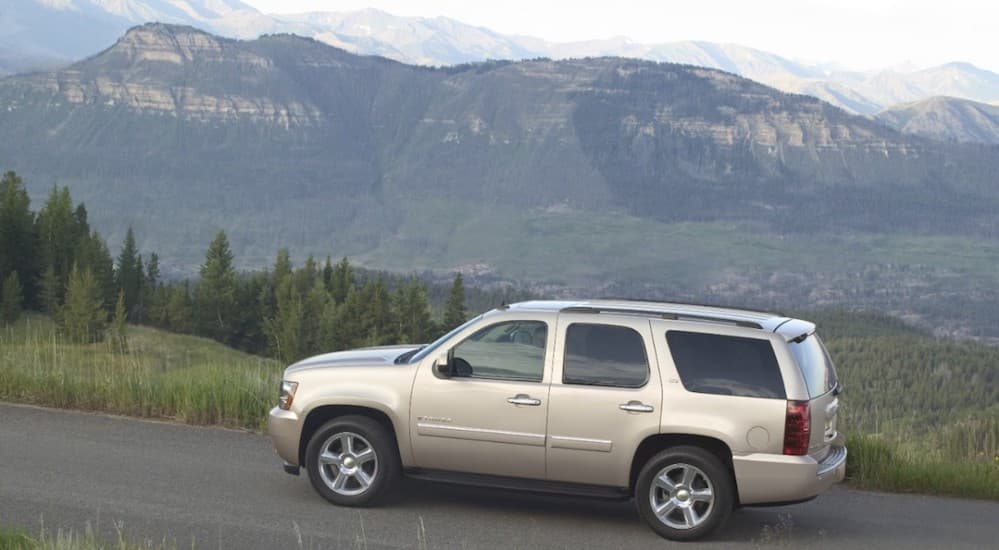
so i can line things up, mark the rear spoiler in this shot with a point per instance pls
(795, 330)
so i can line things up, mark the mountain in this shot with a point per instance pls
(613, 175)
(42, 32)
(69, 30)
(946, 118)
(313, 143)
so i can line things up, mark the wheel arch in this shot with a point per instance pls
(659, 442)
(324, 413)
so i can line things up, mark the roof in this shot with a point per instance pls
(742, 317)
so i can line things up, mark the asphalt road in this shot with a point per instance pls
(225, 489)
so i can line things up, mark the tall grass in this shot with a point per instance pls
(876, 463)
(161, 375)
(19, 539)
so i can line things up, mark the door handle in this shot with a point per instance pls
(636, 406)
(523, 399)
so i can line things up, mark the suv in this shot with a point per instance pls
(692, 410)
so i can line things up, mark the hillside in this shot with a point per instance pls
(946, 118)
(614, 174)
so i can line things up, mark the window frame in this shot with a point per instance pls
(645, 354)
(473, 376)
(782, 394)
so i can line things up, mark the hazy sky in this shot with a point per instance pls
(856, 33)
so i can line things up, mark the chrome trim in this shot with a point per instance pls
(636, 406)
(580, 443)
(523, 399)
(479, 434)
(832, 461)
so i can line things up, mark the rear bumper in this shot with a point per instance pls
(284, 429)
(766, 478)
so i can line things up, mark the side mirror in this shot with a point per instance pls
(442, 368)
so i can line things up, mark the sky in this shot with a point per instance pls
(859, 34)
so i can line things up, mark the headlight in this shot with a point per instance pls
(288, 390)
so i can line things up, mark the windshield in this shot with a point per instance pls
(427, 350)
(815, 365)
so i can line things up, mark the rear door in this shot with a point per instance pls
(606, 397)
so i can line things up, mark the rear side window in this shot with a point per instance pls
(726, 365)
(604, 355)
(815, 365)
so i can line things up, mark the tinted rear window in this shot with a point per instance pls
(604, 355)
(726, 365)
(815, 365)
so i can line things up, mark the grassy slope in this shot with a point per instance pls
(185, 378)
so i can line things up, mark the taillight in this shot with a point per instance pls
(797, 428)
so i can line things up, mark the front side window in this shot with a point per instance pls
(726, 365)
(513, 350)
(604, 355)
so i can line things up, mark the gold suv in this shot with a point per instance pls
(691, 410)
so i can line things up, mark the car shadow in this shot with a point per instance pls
(765, 525)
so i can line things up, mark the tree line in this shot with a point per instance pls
(52, 261)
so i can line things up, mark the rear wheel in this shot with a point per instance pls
(684, 493)
(352, 461)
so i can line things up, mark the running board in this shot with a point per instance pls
(519, 484)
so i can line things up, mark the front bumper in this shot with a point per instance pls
(766, 478)
(285, 429)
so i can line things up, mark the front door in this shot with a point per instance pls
(489, 416)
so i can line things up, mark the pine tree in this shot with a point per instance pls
(11, 298)
(306, 277)
(454, 309)
(119, 325)
(313, 308)
(50, 291)
(92, 252)
(342, 281)
(284, 330)
(153, 272)
(58, 231)
(328, 275)
(82, 317)
(282, 265)
(17, 235)
(179, 314)
(412, 312)
(215, 295)
(128, 272)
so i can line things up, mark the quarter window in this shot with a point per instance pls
(726, 365)
(604, 355)
(506, 351)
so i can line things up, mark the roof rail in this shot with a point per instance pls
(697, 304)
(670, 315)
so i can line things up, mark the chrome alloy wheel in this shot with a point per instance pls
(682, 496)
(348, 463)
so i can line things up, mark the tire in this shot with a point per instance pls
(352, 461)
(693, 491)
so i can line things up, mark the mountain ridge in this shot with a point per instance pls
(444, 41)
(946, 118)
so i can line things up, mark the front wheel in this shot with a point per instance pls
(684, 493)
(352, 461)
